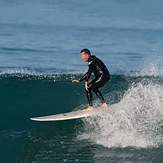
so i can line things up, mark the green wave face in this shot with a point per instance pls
(25, 96)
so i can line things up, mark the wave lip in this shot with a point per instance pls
(15, 70)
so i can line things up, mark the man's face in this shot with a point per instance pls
(84, 56)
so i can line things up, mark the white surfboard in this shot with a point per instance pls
(66, 116)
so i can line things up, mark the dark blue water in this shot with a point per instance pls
(40, 43)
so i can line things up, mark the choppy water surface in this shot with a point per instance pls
(39, 56)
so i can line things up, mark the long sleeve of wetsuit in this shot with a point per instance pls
(83, 77)
(87, 75)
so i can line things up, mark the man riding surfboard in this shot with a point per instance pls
(101, 73)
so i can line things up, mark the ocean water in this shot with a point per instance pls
(40, 43)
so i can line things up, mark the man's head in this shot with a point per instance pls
(85, 54)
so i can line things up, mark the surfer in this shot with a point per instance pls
(101, 73)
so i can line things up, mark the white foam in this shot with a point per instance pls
(25, 71)
(152, 69)
(135, 121)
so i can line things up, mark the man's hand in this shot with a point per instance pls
(76, 81)
(86, 85)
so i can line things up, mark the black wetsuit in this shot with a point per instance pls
(101, 74)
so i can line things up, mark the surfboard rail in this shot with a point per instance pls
(65, 116)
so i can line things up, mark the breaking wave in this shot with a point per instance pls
(136, 120)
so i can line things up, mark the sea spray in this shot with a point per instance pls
(135, 121)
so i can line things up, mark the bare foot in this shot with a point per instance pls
(90, 108)
(104, 105)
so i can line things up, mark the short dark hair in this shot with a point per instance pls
(85, 51)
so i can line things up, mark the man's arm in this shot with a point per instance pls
(87, 75)
(83, 77)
